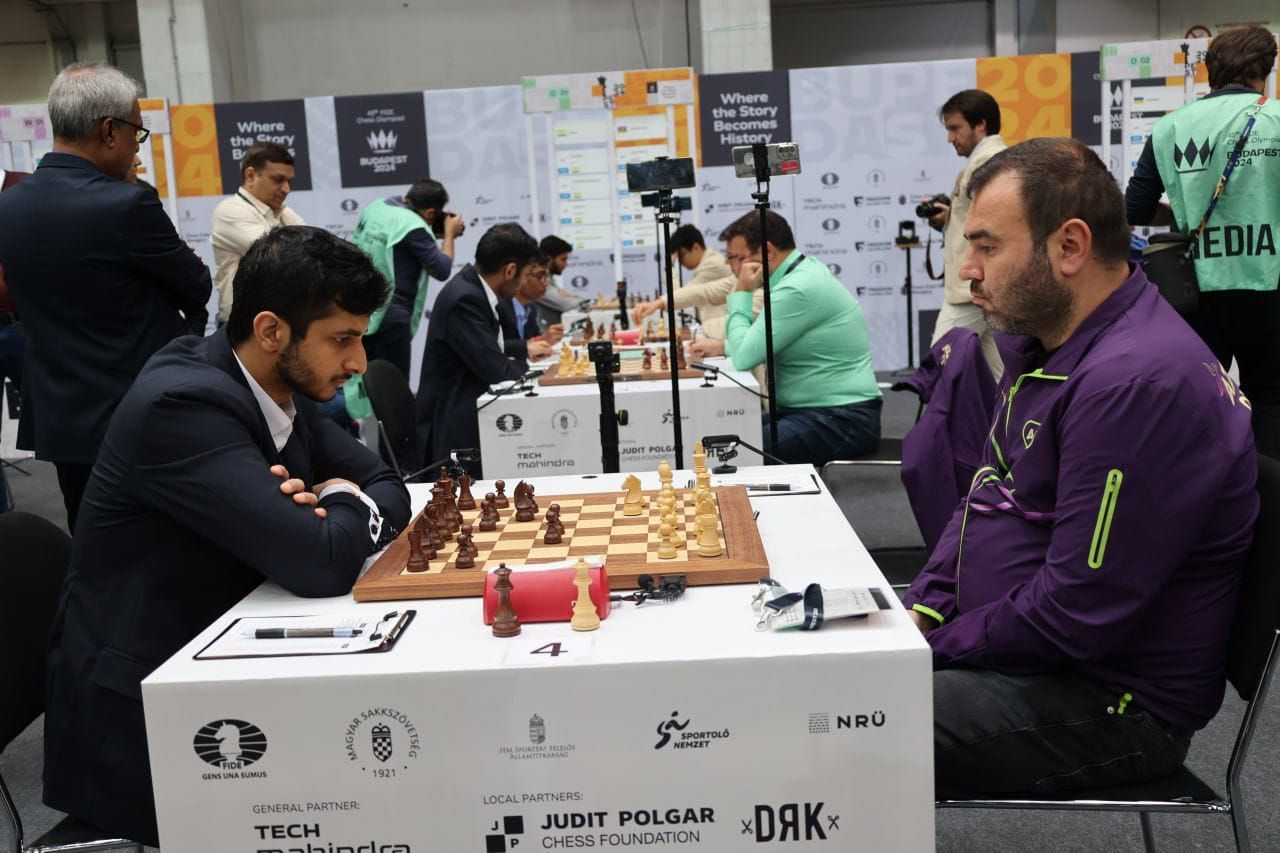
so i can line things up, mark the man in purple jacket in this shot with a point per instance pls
(1079, 602)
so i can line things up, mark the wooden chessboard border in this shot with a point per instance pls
(552, 377)
(743, 561)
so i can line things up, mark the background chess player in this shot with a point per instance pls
(217, 472)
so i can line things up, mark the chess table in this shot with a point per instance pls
(632, 370)
(651, 726)
(594, 526)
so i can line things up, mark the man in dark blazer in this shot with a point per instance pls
(218, 471)
(97, 272)
(519, 314)
(465, 350)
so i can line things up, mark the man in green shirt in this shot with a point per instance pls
(828, 401)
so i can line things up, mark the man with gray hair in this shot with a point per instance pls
(96, 270)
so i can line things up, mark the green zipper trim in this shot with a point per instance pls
(1106, 511)
(1035, 374)
(977, 481)
(930, 612)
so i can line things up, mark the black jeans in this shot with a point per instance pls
(1007, 734)
(391, 343)
(72, 479)
(1245, 324)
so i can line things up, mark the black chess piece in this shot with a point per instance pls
(500, 496)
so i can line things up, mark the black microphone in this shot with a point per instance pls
(702, 365)
(718, 371)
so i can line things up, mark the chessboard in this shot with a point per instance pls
(651, 337)
(594, 525)
(632, 371)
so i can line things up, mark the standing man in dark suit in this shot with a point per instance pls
(97, 272)
(218, 471)
(465, 350)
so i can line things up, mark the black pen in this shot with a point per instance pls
(768, 487)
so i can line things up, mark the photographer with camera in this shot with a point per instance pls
(399, 236)
(972, 120)
(712, 281)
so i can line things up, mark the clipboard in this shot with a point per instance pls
(229, 646)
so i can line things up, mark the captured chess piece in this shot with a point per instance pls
(633, 503)
(663, 363)
(505, 621)
(647, 364)
(585, 617)
(465, 500)
(488, 514)
(500, 497)
(681, 364)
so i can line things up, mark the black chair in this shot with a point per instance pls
(36, 554)
(1251, 662)
(392, 402)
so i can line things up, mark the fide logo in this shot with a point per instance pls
(509, 423)
(836, 269)
(878, 268)
(831, 225)
(382, 141)
(830, 179)
(876, 223)
(230, 744)
(564, 422)
(875, 177)
(381, 741)
(349, 205)
(579, 282)
(504, 835)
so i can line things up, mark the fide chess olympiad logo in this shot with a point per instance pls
(231, 746)
(564, 421)
(677, 734)
(504, 835)
(382, 742)
(382, 141)
(509, 423)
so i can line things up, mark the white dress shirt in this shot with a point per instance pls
(280, 422)
(492, 296)
(237, 221)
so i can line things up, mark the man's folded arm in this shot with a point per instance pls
(335, 454)
(201, 467)
(1139, 474)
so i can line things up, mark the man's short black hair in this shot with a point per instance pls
(299, 273)
(1061, 179)
(541, 259)
(427, 194)
(748, 226)
(1239, 55)
(262, 153)
(975, 105)
(503, 244)
(686, 237)
(552, 246)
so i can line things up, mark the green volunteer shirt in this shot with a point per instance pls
(822, 354)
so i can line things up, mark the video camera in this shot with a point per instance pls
(929, 209)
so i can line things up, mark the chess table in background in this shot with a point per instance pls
(594, 526)
(632, 371)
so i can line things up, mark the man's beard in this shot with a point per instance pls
(294, 372)
(1032, 303)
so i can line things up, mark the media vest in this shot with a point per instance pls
(381, 228)
(1238, 248)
